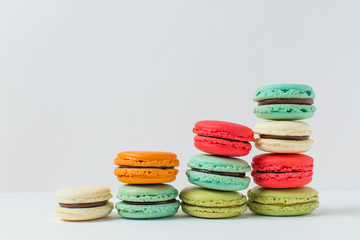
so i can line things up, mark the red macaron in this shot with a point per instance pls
(282, 170)
(223, 138)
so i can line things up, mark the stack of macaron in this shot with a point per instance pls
(218, 174)
(145, 196)
(283, 172)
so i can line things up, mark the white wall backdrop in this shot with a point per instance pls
(81, 81)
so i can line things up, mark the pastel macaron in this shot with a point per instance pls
(282, 202)
(223, 138)
(146, 167)
(284, 102)
(282, 170)
(283, 136)
(80, 203)
(147, 201)
(206, 203)
(219, 173)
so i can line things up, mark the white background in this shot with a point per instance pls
(81, 81)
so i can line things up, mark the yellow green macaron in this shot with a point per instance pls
(282, 202)
(207, 203)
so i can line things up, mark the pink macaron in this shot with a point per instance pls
(282, 170)
(223, 138)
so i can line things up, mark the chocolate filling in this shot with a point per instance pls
(83, 205)
(150, 203)
(301, 101)
(223, 139)
(124, 166)
(230, 174)
(284, 137)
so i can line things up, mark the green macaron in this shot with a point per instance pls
(219, 173)
(206, 203)
(147, 201)
(284, 102)
(282, 202)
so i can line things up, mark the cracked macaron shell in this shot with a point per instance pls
(284, 111)
(283, 91)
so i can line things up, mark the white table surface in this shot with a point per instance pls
(32, 216)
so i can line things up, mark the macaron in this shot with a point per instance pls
(223, 138)
(206, 203)
(146, 167)
(282, 170)
(80, 203)
(284, 102)
(283, 136)
(282, 202)
(219, 173)
(147, 201)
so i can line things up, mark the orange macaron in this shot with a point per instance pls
(146, 167)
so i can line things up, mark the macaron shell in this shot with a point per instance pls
(283, 146)
(83, 214)
(217, 182)
(221, 147)
(146, 180)
(284, 90)
(218, 163)
(290, 210)
(198, 196)
(147, 193)
(282, 180)
(83, 194)
(213, 212)
(287, 196)
(147, 211)
(147, 159)
(283, 128)
(271, 162)
(222, 129)
(285, 111)
(145, 175)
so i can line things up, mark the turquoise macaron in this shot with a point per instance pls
(147, 201)
(218, 173)
(284, 102)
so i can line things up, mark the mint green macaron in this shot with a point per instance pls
(147, 201)
(218, 173)
(284, 102)
(282, 202)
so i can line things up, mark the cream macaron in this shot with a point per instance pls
(283, 136)
(80, 203)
